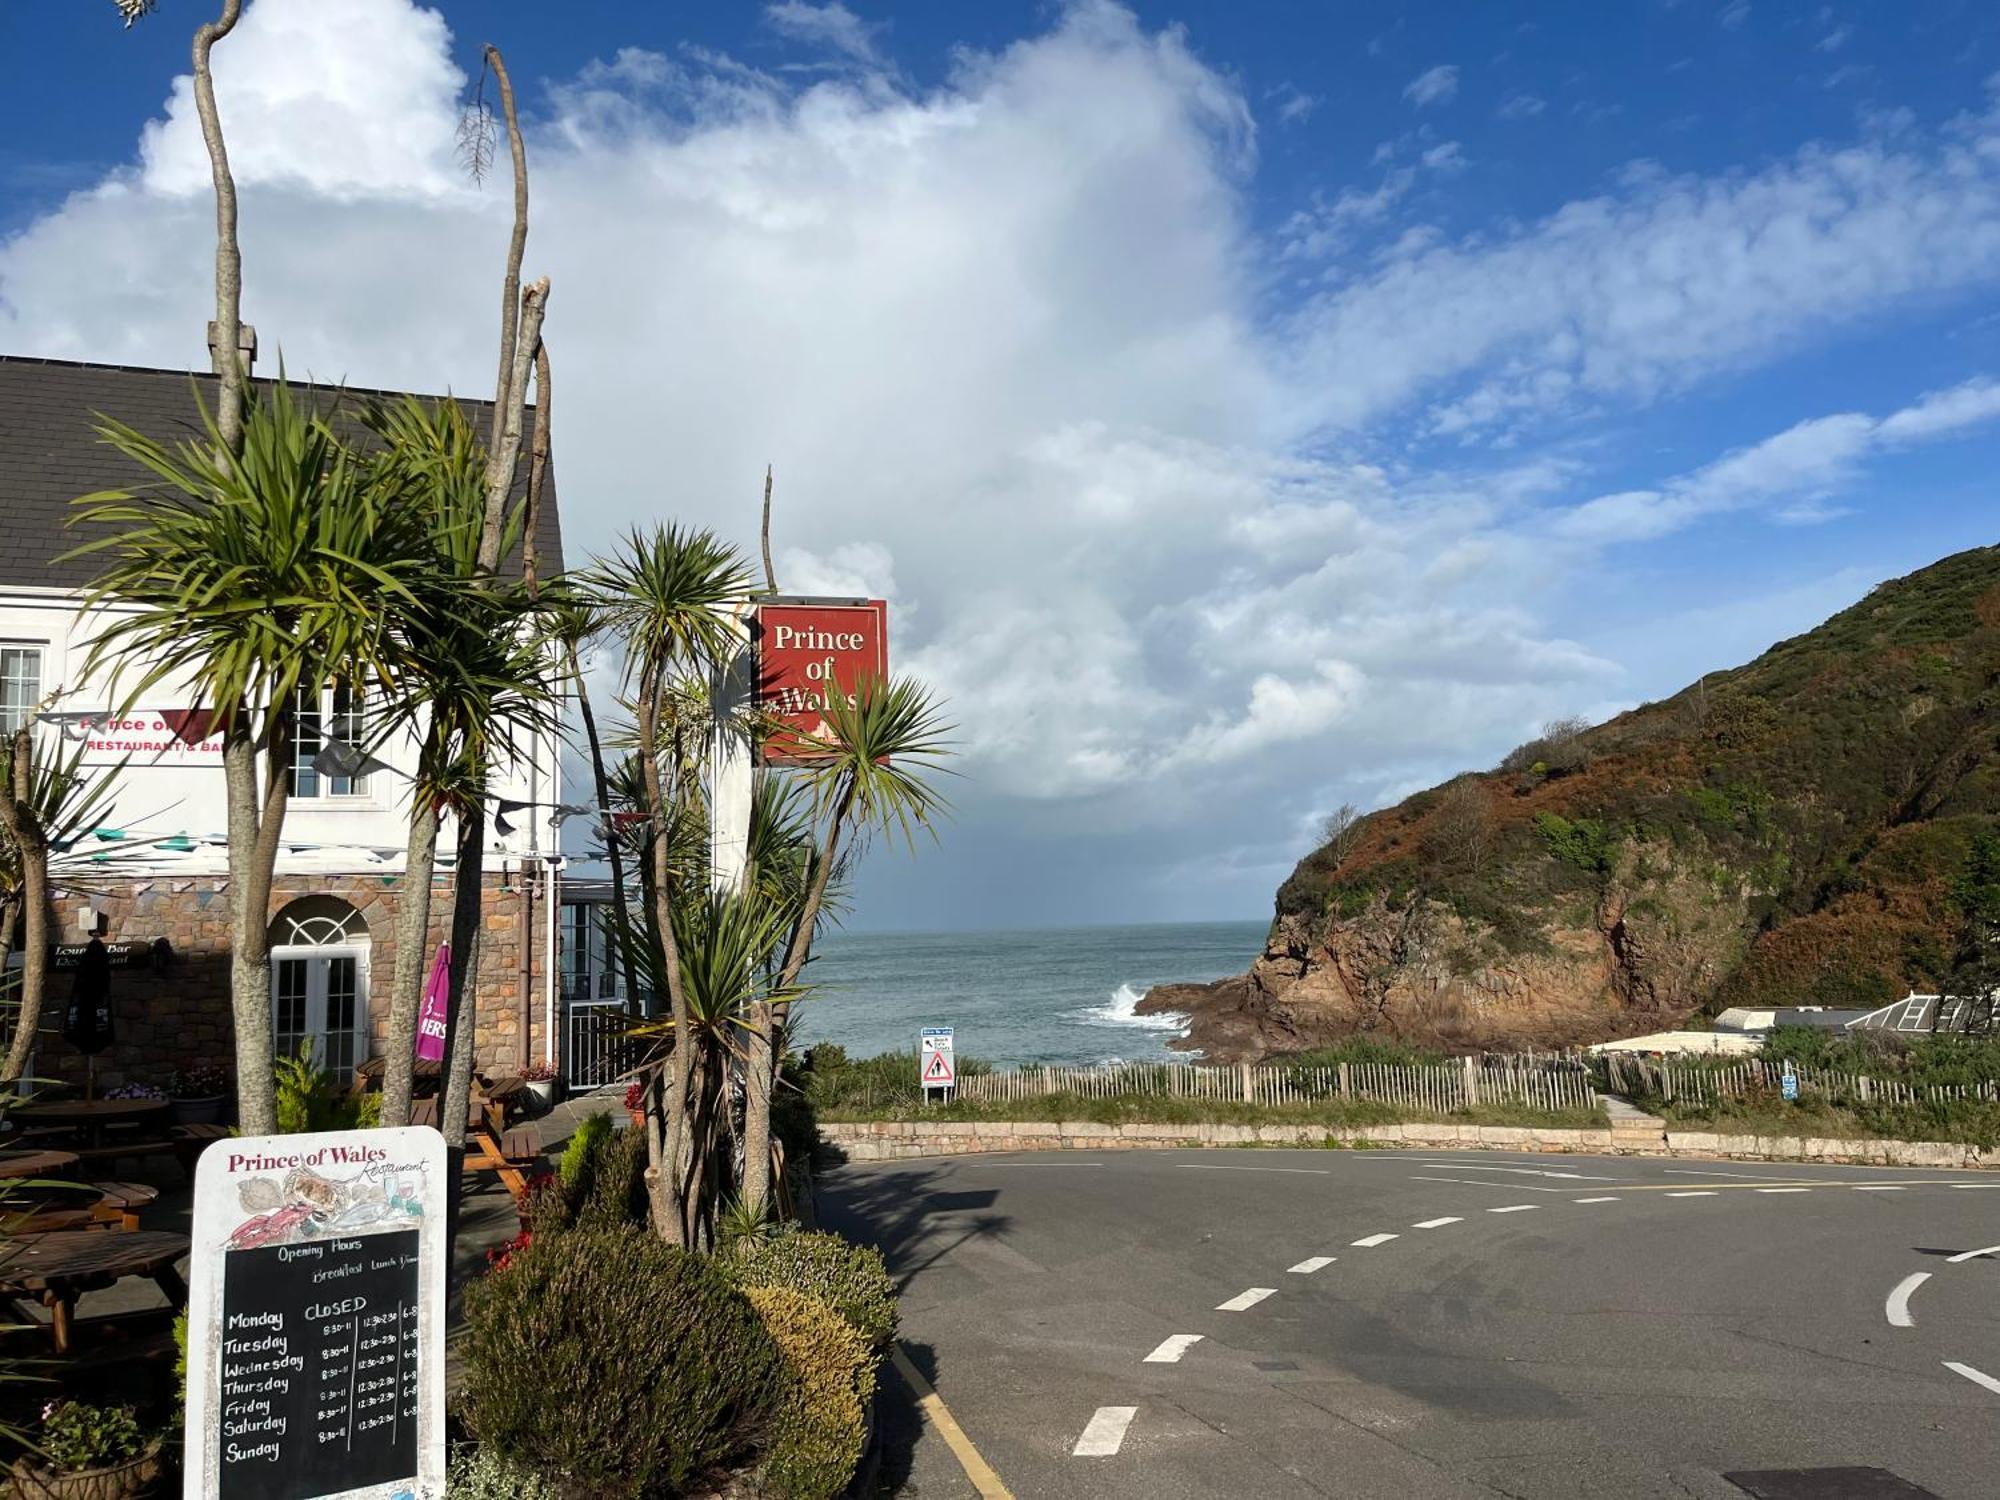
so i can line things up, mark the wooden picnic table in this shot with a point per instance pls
(91, 1117)
(58, 1268)
(18, 1164)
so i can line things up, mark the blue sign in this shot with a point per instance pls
(1790, 1083)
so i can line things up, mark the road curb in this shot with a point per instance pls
(892, 1140)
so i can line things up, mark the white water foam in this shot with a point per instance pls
(1122, 1009)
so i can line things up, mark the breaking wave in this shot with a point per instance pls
(1122, 1009)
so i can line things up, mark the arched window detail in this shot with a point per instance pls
(319, 983)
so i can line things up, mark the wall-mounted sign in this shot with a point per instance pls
(137, 953)
(148, 737)
(805, 649)
(316, 1318)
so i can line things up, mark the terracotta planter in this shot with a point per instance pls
(207, 1110)
(131, 1480)
(637, 1117)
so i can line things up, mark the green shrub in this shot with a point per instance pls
(618, 1186)
(579, 1158)
(79, 1436)
(309, 1101)
(819, 1426)
(851, 1279)
(1585, 844)
(616, 1361)
(482, 1474)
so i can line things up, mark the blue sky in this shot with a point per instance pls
(1247, 408)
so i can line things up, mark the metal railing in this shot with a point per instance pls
(597, 1052)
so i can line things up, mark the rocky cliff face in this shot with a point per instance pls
(1797, 831)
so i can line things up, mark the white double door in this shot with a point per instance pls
(320, 995)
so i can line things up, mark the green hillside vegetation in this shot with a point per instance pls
(1820, 826)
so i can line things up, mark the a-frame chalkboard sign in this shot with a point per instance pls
(316, 1318)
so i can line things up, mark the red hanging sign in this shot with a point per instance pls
(806, 648)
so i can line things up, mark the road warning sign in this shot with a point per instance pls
(936, 1066)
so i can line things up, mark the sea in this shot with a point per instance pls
(1051, 995)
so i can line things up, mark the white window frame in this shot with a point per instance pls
(41, 650)
(316, 988)
(362, 791)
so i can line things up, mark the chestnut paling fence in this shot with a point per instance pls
(1443, 1087)
(1709, 1083)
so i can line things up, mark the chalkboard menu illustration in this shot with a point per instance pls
(316, 1318)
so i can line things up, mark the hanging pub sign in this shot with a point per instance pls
(805, 649)
(316, 1318)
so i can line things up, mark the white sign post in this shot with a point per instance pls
(937, 1068)
(316, 1318)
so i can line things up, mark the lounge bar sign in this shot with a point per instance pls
(316, 1318)
(806, 649)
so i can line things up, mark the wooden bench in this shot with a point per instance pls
(56, 1269)
(120, 1203)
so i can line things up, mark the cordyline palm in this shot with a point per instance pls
(241, 578)
(46, 803)
(475, 686)
(887, 741)
(667, 595)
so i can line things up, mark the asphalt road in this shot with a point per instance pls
(1566, 1327)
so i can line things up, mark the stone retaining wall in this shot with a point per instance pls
(893, 1139)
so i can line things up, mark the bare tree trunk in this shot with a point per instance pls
(256, 819)
(505, 454)
(538, 467)
(676, 1143)
(764, 535)
(228, 257)
(621, 936)
(510, 283)
(413, 928)
(31, 845)
(768, 1020)
(463, 1016)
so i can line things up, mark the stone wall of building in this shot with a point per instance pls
(178, 1012)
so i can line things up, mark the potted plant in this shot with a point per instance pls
(199, 1092)
(88, 1453)
(543, 1082)
(635, 1103)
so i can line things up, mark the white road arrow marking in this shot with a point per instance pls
(1964, 1255)
(1977, 1377)
(1897, 1307)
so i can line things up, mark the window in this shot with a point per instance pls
(338, 712)
(319, 983)
(20, 685)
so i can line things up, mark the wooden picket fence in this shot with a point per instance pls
(1707, 1083)
(1554, 1085)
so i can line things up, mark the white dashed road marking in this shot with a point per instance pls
(1514, 1208)
(1171, 1349)
(1243, 1301)
(1436, 1223)
(1696, 1193)
(1370, 1241)
(1307, 1267)
(1505, 1187)
(1204, 1166)
(1105, 1433)
(1965, 1255)
(1865, 1188)
(1897, 1308)
(1612, 1199)
(1521, 1171)
(1977, 1377)
(1784, 1190)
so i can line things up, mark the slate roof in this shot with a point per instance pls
(50, 454)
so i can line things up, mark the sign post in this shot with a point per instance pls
(316, 1318)
(1789, 1082)
(937, 1068)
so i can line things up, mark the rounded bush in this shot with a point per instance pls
(609, 1357)
(820, 1424)
(850, 1279)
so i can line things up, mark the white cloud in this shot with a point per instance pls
(1521, 106)
(832, 26)
(1834, 40)
(1433, 86)
(1294, 105)
(1012, 345)
(1733, 15)
(1802, 467)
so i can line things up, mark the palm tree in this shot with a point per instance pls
(241, 578)
(888, 740)
(47, 801)
(666, 595)
(475, 687)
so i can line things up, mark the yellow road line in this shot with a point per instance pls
(931, 1404)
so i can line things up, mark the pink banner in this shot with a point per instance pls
(437, 1001)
